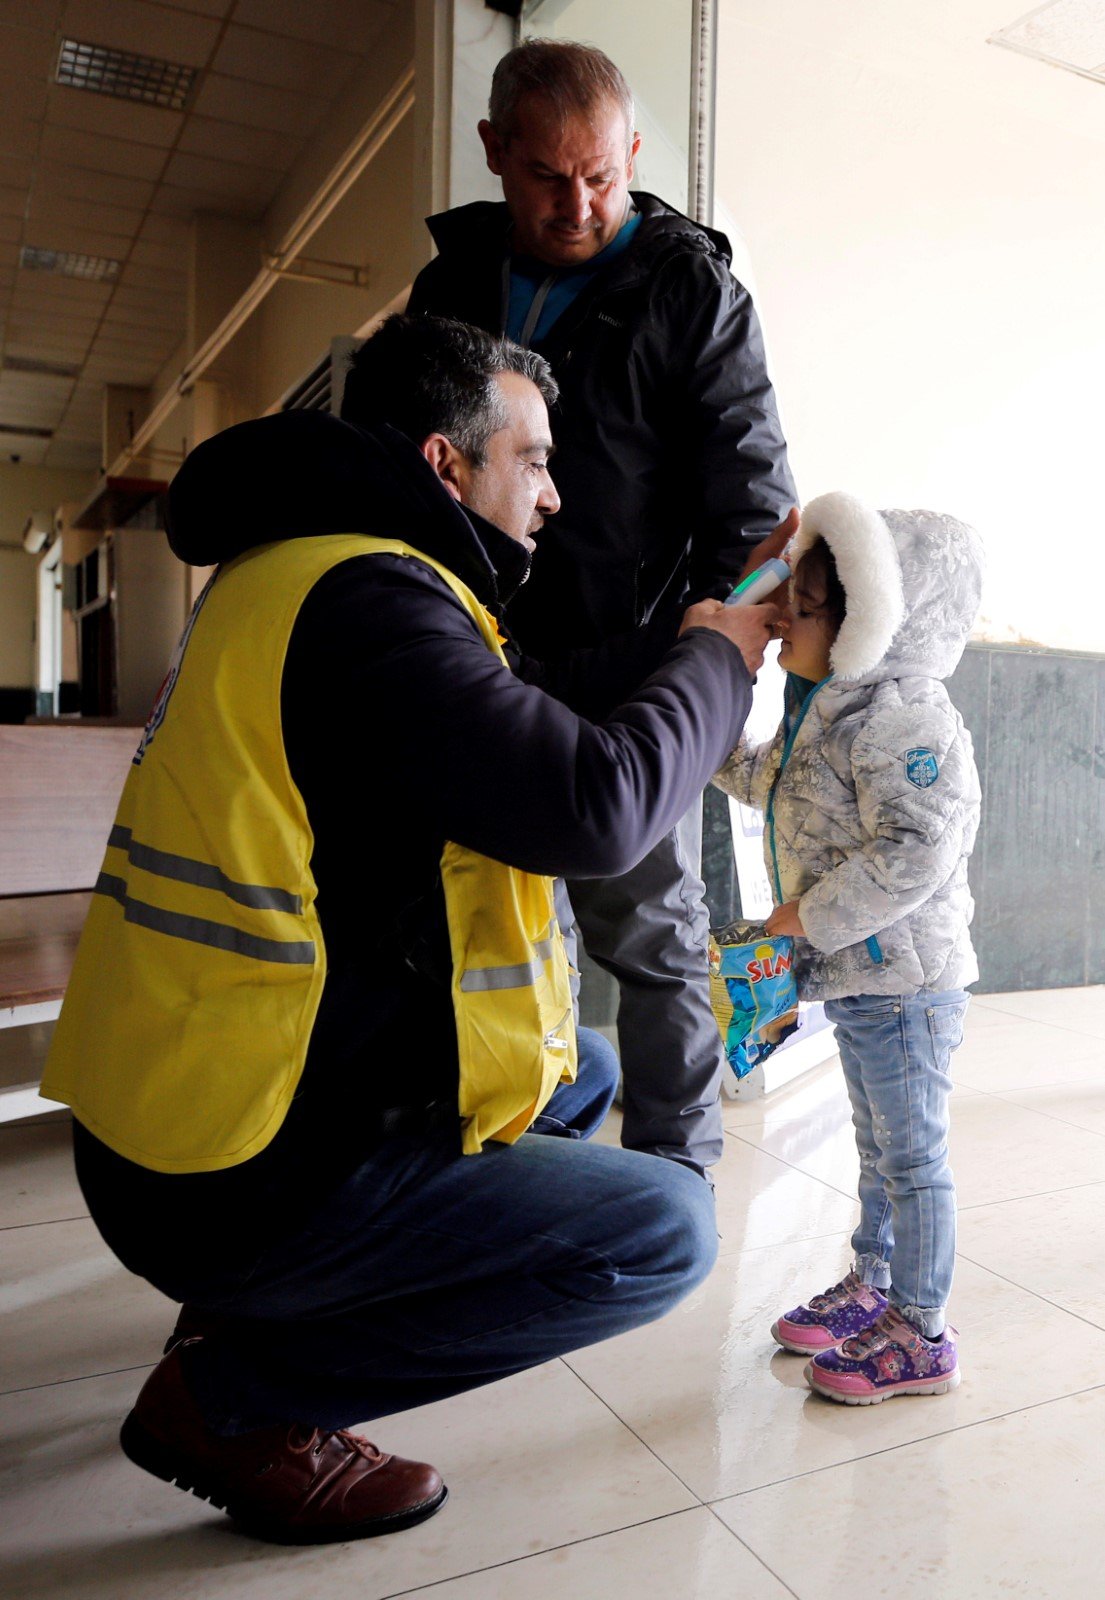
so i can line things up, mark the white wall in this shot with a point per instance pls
(924, 212)
(23, 490)
(18, 588)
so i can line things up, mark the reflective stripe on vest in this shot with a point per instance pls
(510, 977)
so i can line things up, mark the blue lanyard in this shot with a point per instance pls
(788, 746)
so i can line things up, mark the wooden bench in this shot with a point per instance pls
(59, 787)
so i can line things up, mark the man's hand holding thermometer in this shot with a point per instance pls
(759, 584)
(744, 619)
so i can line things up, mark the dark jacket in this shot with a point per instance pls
(402, 731)
(670, 459)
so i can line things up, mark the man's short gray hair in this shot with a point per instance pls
(427, 375)
(573, 78)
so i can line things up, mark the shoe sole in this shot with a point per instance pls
(804, 1349)
(140, 1446)
(873, 1397)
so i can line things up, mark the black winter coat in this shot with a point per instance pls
(670, 459)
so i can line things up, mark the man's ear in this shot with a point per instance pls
(633, 149)
(451, 467)
(492, 147)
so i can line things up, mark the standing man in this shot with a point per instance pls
(671, 467)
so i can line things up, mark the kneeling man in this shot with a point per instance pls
(319, 1040)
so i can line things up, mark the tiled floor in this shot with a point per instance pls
(686, 1460)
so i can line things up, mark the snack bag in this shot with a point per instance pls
(752, 991)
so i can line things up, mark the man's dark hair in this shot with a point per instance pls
(428, 375)
(575, 79)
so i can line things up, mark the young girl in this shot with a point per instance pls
(871, 803)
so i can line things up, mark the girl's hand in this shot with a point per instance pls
(785, 919)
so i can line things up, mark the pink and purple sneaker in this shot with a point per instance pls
(842, 1312)
(890, 1357)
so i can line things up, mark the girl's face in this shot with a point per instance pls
(806, 629)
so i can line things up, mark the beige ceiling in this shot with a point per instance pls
(87, 173)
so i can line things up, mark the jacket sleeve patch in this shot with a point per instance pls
(921, 768)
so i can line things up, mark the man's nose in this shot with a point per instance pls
(576, 202)
(548, 501)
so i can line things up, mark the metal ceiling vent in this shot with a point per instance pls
(1063, 33)
(70, 263)
(126, 76)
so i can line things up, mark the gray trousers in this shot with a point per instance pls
(649, 930)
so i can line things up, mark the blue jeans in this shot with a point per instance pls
(896, 1052)
(428, 1273)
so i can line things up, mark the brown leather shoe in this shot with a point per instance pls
(291, 1484)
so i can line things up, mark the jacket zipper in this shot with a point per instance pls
(769, 809)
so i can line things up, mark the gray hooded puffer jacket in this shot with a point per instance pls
(869, 789)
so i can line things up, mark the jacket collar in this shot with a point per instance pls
(482, 230)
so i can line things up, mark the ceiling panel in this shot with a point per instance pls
(128, 339)
(94, 153)
(147, 29)
(71, 457)
(230, 100)
(47, 347)
(58, 177)
(151, 253)
(28, 52)
(47, 291)
(19, 141)
(26, 14)
(165, 230)
(23, 90)
(160, 278)
(63, 211)
(355, 23)
(207, 8)
(84, 241)
(121, 119)
(128, 297)
(264, 58)
(84, 172)
(177, 201)
(261, 147)
(32, 452)
(16, 171)
(156, 320)
(64, 323)
(23, 414)
(234, 179)
(23, 388)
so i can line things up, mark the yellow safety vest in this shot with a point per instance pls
(201, 965)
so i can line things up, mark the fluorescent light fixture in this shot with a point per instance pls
(70, 263)
(9, 430)
(43, 369)
(126, 76)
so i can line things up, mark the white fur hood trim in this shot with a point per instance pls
(868, 566)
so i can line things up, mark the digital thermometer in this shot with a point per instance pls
(759, 584)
